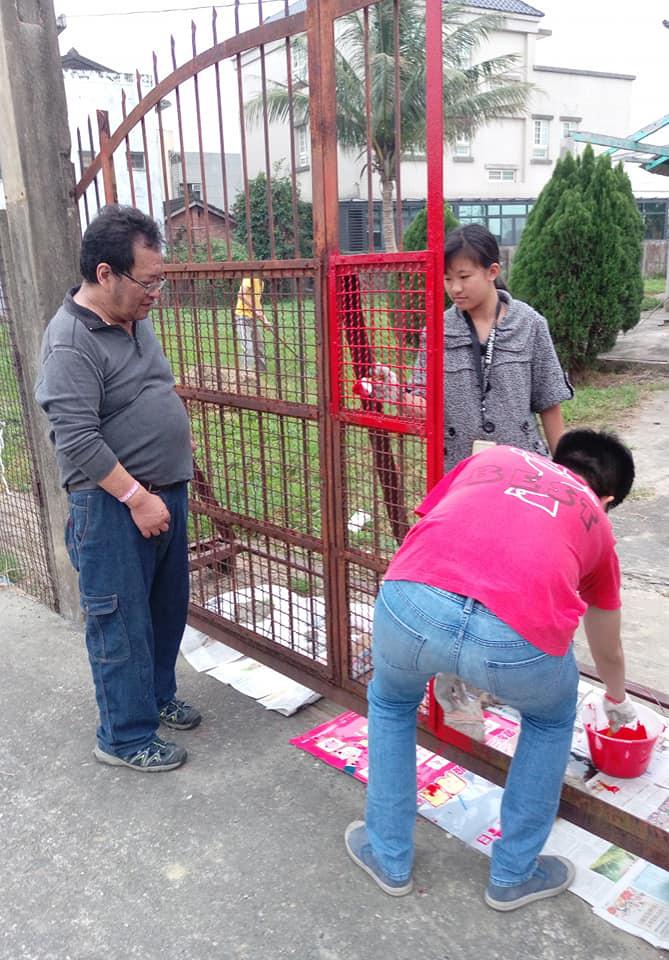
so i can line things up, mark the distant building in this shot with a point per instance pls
(495, 175)
(90, 86)
(213, 177)
(141, 175)
(204, 222)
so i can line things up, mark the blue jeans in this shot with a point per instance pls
(420, 631)
(134, 594)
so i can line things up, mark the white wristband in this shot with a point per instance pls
(130, 493)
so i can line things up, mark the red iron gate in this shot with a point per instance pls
(304, 486)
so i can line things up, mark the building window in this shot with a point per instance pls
(504, 219)
(540, 139)
(503, 174)
(298, 56)
(137, 160)
(567, 127)
(654, 213)
(194, 190)
(463, 146)
(302, 145)
(463, 58)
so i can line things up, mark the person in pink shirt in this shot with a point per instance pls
(512, 548)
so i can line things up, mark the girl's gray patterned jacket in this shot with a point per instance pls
(525, 379)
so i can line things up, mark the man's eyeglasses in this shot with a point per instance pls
(153, 286)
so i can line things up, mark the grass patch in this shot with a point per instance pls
(600, 406)
(16, 463)
(651, 303)
(10, 567)
(654, 285)
(603, 398)
(642, 493)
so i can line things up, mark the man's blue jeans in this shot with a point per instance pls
(419, 631)
(134, 593)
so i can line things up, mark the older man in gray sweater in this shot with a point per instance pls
(123, 447)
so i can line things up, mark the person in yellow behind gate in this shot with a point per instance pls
(248, 311)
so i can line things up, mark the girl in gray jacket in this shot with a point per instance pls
(500, 366)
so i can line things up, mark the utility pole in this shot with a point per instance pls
(43, 234)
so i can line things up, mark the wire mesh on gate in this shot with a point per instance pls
(23, 556)
(243, 344)
(379, 309)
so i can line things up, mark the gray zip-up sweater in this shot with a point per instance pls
(110, 398)
(525, 379)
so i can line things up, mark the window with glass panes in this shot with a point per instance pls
(567, 127)
(504, 219)
(654, 213)
(463, 146)
(502, 174)
(302, 144)
(540, 139)
(298, 56)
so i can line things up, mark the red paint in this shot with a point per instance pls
(625, 753)
(625, 733)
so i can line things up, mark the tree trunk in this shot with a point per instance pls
(387, 217)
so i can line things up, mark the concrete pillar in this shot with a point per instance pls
(42, 223)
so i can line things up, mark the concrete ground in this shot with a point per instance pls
(647, 343)
(239, 854)
(641, 523)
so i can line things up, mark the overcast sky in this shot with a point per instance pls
(591, 34)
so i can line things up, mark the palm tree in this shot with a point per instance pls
(473, 94)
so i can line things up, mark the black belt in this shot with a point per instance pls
(151, 487)
(157, 487)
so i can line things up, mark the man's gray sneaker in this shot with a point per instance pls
(359, 850)
(180, 715)
(552, 876)
(157, 756)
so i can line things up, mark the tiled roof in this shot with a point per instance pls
(500, 6)
(73, 60)
(506, 6)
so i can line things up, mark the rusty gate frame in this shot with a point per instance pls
(318, 22)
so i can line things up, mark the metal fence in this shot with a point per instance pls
(23, 555)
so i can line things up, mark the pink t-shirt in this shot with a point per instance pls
(521, 534)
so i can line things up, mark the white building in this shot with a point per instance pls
(495, 175)
(89, 87)
(209, 165)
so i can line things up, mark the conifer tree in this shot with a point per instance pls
(521, 279)
(578, 261)
(410, 298)
(630, 224)
(605, 290)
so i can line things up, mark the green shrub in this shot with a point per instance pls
(651, 303)
(579, 258)
(287, 245)
(410, 296)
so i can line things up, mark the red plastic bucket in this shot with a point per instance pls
(618, 757)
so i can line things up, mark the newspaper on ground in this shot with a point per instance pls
(274, 612)
(623, 889)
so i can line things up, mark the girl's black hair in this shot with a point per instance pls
(475, 242)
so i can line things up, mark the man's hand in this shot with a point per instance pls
(149, 513)
(619, 714)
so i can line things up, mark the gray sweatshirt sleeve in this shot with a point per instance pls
(70, 391)
(550, 385)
